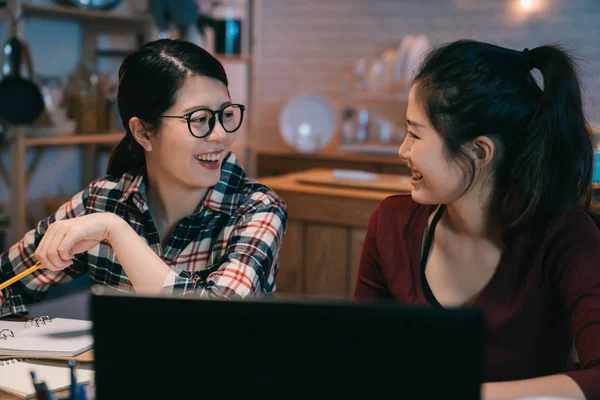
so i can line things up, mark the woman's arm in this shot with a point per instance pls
(64, 239)
(20, 256)
(144, 268)
(250, 262)
(248, 266)
(370, 283)
(574, 274)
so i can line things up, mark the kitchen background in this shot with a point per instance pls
(311, 46)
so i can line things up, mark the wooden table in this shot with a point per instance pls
(326, 229)
(285, 161)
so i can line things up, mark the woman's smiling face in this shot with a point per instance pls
(194, 162)
(436, 178)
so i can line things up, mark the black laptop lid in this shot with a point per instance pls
(176, 348)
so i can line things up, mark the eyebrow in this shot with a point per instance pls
(187, 110)
(414, 124)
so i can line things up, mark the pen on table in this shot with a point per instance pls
(82, 393)
(73, 391)
(20, 276)
(41, 390)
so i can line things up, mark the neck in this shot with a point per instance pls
(170, 201)
(470, 216)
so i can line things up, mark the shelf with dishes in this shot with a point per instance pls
(310, 123)
(367, 113)
(57, 11)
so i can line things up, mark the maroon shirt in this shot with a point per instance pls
(544, 295)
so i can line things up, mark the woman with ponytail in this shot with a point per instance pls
(499, 215)
(176, 212)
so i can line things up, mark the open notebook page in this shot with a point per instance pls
(15, 377)
(60, 337)
(14, 326)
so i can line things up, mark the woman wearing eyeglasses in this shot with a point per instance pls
(176, 212)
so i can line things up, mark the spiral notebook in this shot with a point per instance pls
(15, 377)
(61, 337)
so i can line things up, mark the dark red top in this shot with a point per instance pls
(544, 295)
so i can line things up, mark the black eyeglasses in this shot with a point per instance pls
(201, 122)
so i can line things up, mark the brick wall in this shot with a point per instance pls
(307, 45)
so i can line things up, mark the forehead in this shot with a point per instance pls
(414, 110)
(201, 91)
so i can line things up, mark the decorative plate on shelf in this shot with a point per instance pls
(308, 123)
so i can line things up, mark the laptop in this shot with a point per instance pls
(272, 348)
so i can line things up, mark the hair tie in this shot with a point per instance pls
(527, 59)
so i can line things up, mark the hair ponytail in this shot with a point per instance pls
(128, 154)
(555, 161)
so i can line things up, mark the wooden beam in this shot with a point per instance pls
(4, 175)
(37, 156)
(18, 186)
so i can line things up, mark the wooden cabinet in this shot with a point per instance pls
(321, 250)
(279, 162)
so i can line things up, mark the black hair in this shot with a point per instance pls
(543, 159)
(149, 80)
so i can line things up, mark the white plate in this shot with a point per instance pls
(308, 123)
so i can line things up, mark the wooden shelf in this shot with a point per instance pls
(334, 155)
(58, 11)
(278, 162)
(595, 186)
(94, 138)
(223, 58)
(368, 148)
(113, 53)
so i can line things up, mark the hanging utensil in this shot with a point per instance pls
(21, 101)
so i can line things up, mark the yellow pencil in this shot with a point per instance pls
(20, 276)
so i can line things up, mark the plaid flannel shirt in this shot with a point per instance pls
(228, 247)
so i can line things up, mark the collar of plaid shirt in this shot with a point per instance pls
(224, 197)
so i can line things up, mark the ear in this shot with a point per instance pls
(481, 150)
(140, 133)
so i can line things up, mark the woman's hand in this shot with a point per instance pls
(65, 238)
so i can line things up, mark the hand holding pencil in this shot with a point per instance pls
(64, 239)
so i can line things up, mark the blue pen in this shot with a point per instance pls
(82, 394)
(73, 391)
(41, 390)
